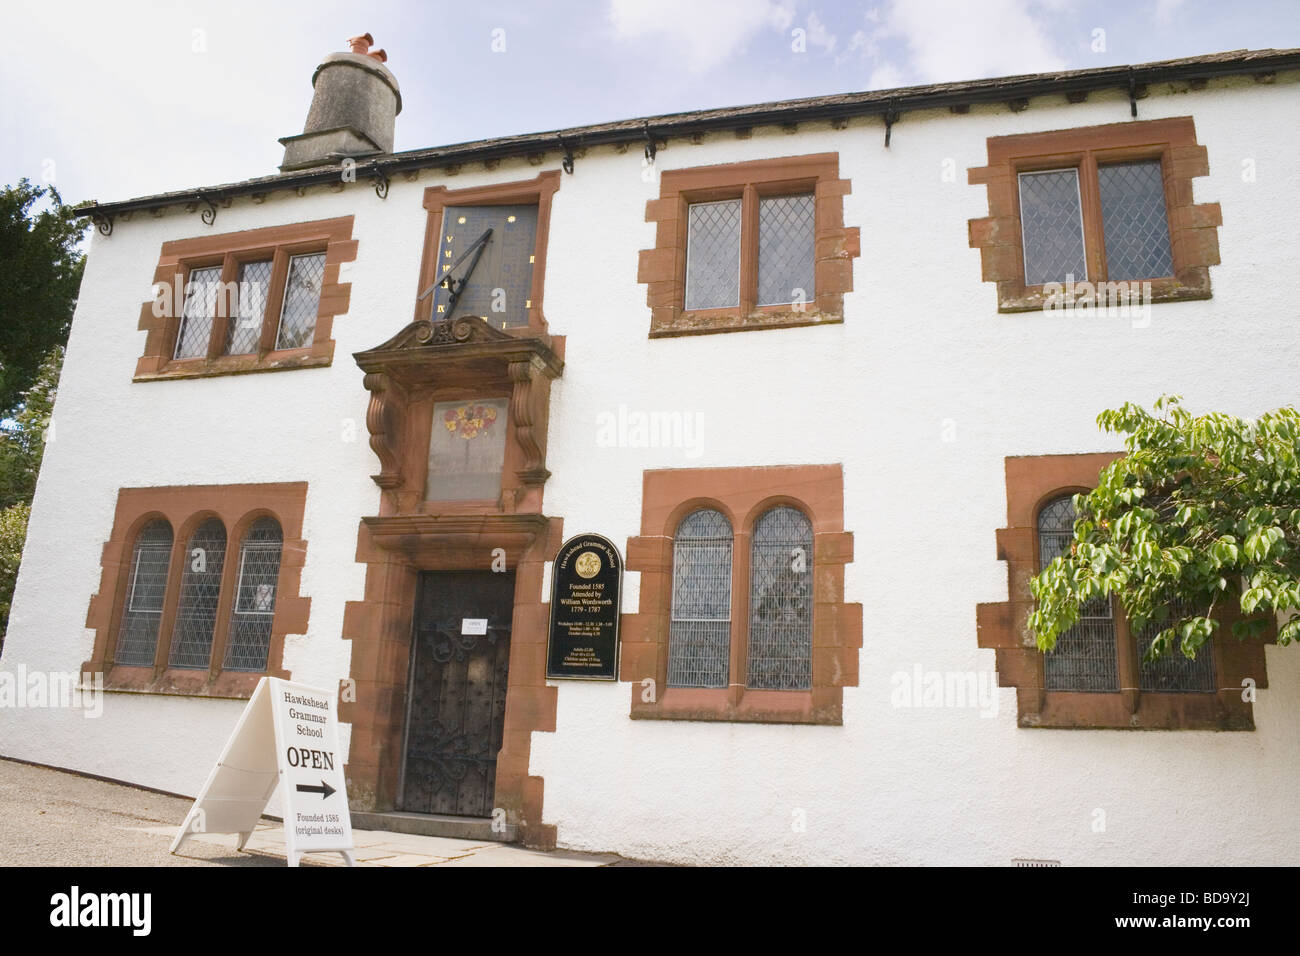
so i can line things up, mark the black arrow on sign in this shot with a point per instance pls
(324, 789)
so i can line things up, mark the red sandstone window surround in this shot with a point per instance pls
(725, 596)
(252, 301)
(199, 588)
(1105, 204)
(750, 245)
(1098, 680)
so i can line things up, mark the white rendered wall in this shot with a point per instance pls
(923, 355)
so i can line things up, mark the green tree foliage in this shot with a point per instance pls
(41, 270)
(13, 533)
(22, 444)
(1203, 509)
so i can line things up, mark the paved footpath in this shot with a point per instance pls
(54, 818)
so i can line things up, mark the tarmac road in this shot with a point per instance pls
(52, 818)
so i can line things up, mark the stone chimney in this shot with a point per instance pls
(353, 109)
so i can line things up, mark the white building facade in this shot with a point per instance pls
(820, 331)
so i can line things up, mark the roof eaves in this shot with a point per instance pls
(654, 129)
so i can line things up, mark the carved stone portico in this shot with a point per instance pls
(424, 363)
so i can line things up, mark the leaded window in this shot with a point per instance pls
(137, 639)
(1085, 657)
(244, 331)
(785, 236)
(196, 609)
(1175, 672)
(301, 301)
(1051, 225)
(699, 644)
(1128, 216)
(780, 601)
(787, 231)
(249, 641)
(1134, 221)
(201, 292)
(713, 255)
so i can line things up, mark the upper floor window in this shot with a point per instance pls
(719, 273)
(1120, 205)
(750, 245)
(265, 305)
(1099, 205)
(297, 324)
(258, 300)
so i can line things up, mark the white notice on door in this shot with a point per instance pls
(473, 625)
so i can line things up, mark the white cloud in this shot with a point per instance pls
(947, 41)
(701, 33)
(863, 44)
(886, 76)
(1165, 10)
(818, 35)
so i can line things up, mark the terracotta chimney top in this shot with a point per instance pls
(362, 45)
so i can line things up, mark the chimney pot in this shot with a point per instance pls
(354, 104)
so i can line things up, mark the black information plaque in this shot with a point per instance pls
(586, 585)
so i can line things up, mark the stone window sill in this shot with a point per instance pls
(1127, 710)
(732, 320)
(176, 682)
(737, 704)
(1167, 289)
(320, 355)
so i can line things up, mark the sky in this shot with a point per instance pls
(112, 99)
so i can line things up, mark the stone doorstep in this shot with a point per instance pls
(478, 829)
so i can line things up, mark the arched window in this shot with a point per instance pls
(1085, 656)
(699, 643)
(137, 639)
(780, 601)
(249, 640)
(196, 610)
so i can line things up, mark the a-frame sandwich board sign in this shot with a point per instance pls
(288, 733)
